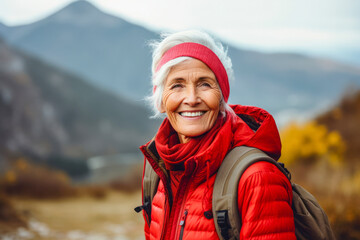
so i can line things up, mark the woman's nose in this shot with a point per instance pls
(191, 97)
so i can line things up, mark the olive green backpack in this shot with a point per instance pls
(311, 221)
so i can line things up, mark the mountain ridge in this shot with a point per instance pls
(118, 59)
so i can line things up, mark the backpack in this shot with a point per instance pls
(311, 221)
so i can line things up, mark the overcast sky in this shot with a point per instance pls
(317, 27)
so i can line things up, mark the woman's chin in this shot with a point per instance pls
(191, 133)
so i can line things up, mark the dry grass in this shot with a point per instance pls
(85, 217)
(130, 182)
(9, 217)
(95, 191)
(39, 203)
(35, 181)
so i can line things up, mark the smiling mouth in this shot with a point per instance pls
(192, 114)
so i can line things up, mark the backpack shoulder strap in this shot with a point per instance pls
(149, 187)
(150, 181)
(225, 209)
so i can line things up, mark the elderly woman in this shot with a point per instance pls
(191, 88)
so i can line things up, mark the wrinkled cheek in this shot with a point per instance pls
(172, 118)
(213, 100)
(171, 102)
(211, 119)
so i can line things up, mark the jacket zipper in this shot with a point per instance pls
(182, 206)
(182, 224)
(173, 230)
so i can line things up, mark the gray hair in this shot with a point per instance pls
(170, 40)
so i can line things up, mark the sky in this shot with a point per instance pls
(325, 28)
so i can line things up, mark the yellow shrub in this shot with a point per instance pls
(310, 142)
(10, 177)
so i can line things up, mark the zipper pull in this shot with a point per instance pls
(183, 218)
(182, 224)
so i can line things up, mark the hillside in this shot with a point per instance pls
(282, 81)
(345, 118)
(47, 111)
(113, 54)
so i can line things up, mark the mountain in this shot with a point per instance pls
(281, 81)
(106, 50)
(47, 111)
(113, 54)
(3, 29)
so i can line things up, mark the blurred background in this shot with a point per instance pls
(74, 75)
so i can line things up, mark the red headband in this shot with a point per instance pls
(204, 54)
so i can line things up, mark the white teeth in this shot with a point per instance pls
(191, 114)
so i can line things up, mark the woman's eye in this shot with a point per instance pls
(205, 84)
(177, 85)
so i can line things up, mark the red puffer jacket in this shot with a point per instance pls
(264, 193)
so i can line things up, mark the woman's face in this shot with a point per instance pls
(191, 99)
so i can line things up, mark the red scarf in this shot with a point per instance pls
(212, 146)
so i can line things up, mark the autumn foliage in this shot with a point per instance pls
(35, 181)
(311, 142)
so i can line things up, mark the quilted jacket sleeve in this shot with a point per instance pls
(146, 230)
(264, 201)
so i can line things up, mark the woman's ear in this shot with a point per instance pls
(222, 106)
(161, 108)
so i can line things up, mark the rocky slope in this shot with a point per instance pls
(47, 111)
